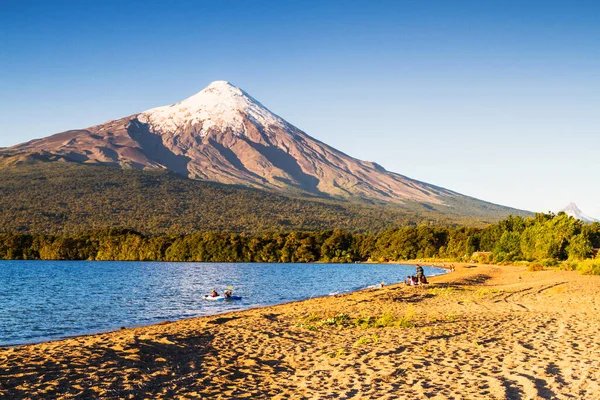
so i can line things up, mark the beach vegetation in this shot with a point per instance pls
(386, 319)
(442, 291)
(313, 317)
(363, 322)
(568, 265)
(340, 352)
(535, 266)
(363, 340)
(340, 319)
(579, 247)
(549, 262)
(451, 317)
(589, 267)
(313, 322)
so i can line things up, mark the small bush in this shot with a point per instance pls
(568, 265)
(313, 322)
(451, 317)
(366, 340)
(442, 291)
(549, 262)
(363, 322)
(385, 320)
(589, 267)
(361, 340)
(405, 323)
(339, 353)
(535, 267)
(484, 258)
(313, 317)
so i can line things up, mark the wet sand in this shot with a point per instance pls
(481, 332)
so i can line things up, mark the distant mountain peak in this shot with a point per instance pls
(220, 105)
(572, 210)
(217, 91)
(219, 83)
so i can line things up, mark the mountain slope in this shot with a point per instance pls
(222, 134)
(45, 194)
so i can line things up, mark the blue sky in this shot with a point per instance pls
(494, 99)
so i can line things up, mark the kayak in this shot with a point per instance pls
(221, 298)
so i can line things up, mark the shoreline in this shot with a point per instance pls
(166, 321)
(481, 332)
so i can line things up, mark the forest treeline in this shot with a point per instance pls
(64, 198)
(545, 238)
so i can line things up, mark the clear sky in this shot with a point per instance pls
(499, 100)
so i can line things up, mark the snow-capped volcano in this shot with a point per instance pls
(573, 211)
(222, 134)
(220, 105)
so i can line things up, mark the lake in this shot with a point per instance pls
(45, 300)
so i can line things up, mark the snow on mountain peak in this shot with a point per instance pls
(572, 207)
(219, 83)
(219, 105)
(223, 86)
(573, 211)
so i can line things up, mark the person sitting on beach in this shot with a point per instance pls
(408, 281)
(423, 280)
(419, 269)
(419, 273)
(214, 293)
(414, 281)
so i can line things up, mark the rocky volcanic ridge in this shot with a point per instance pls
(222, 134)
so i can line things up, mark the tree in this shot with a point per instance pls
(579, 248)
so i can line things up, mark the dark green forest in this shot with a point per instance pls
(65, 211)
(545, 238)
(38, 196)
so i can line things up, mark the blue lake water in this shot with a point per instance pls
(44, 300)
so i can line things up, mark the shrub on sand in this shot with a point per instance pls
(569, 265)
(386, 320)
(535, 266)
(589, 267)
(549, 262)
(366, 340)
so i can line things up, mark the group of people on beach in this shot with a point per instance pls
(419, 279)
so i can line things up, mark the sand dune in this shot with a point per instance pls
(482, 332)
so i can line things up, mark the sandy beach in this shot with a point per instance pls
(481, 332)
